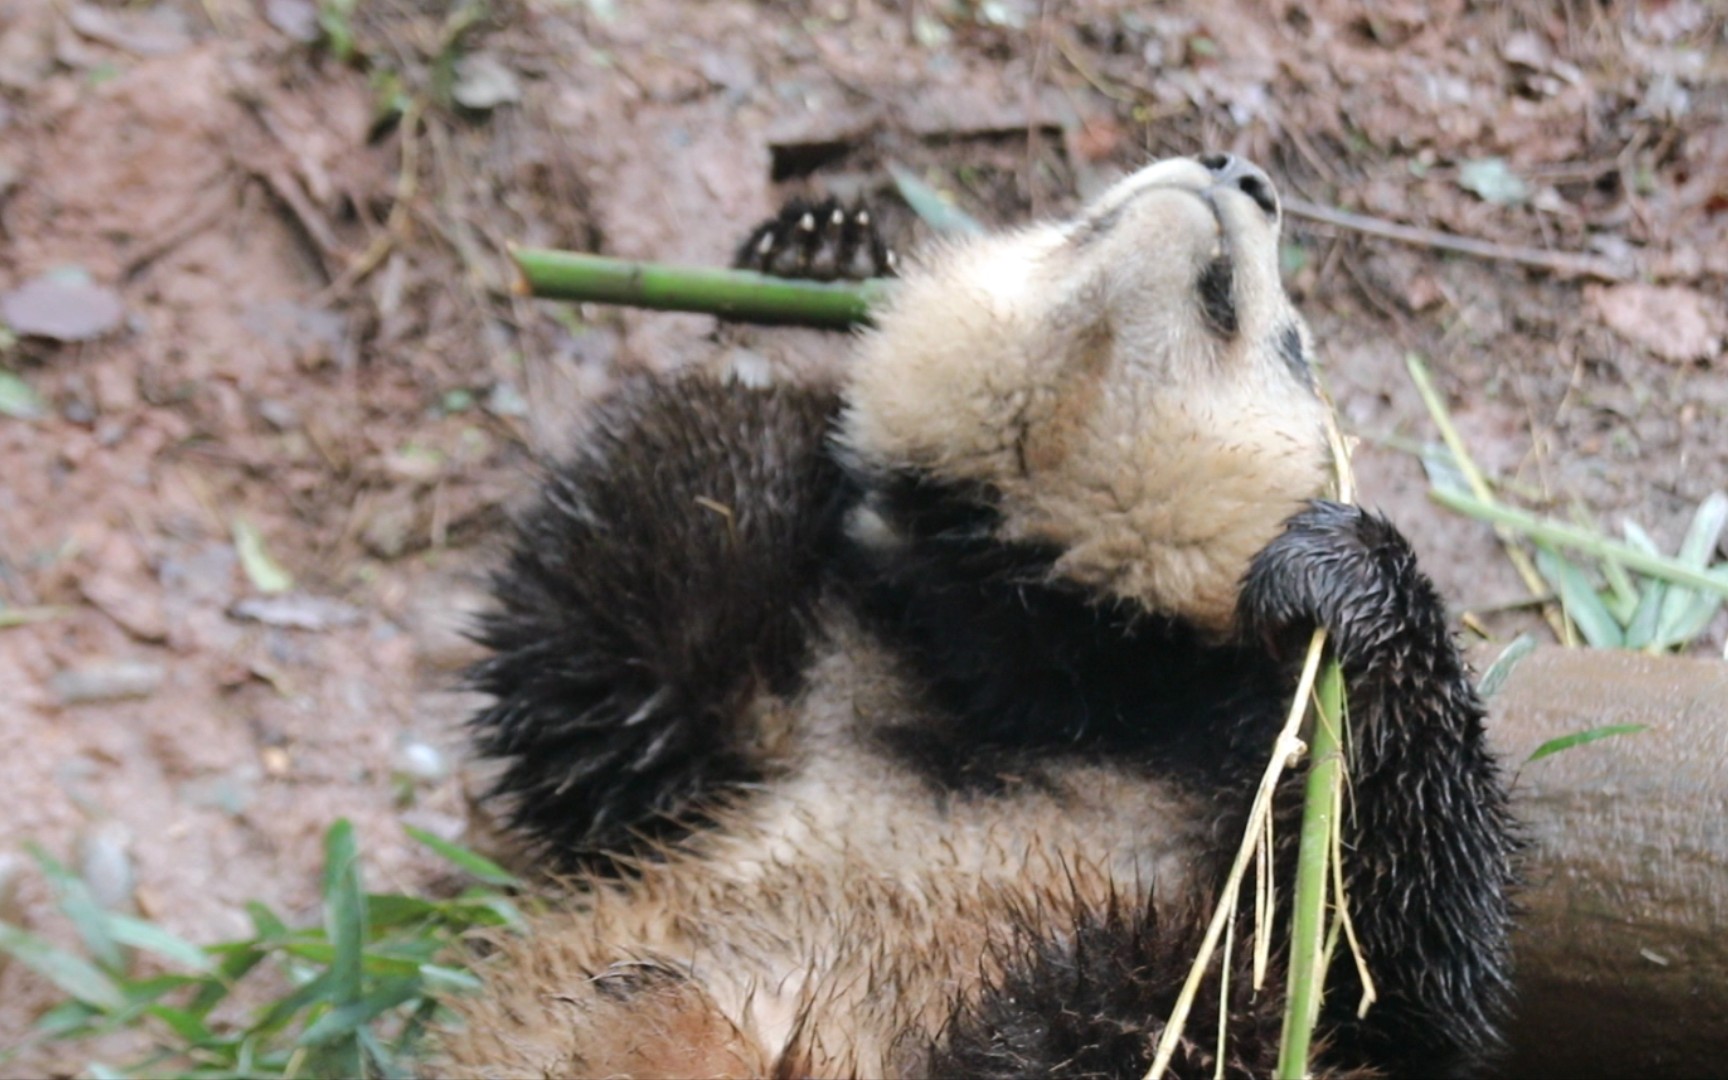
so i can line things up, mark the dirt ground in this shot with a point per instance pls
(254, 278)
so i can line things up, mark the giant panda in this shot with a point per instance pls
(906, 726)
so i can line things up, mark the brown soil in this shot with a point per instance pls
(318, 338)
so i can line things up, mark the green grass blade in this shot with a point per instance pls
(152, 938)
(477, 865)
(448, 978)
(74, 975)
(236, 961)
(186, 1025)
(393, 911)
(343, 1020)
(1581, 738)
(266, 923)
(70, 1019)
(281, 1012)
(1442, 468)
(89, 918)
(344, 912)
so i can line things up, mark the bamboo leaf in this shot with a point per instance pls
(1678, 607)
(1641, 628)
(18, 400)
(1501, 669)
(935, 211)
(388, 911)
(1570, 536)
(1580, 599)
(1695, 619)
(265, 574)
(1443, 469)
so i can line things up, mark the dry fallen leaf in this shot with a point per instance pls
(1672, 321)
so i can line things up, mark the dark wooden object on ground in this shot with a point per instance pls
(1623, 951)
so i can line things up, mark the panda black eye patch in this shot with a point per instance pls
(1217, 288)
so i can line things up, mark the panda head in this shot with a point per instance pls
(1130, 389)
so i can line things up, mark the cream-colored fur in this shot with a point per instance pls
(829, 926)
(1070, 368)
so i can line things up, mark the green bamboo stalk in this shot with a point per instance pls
(736, 294)
(1308, 915)
(1571, 536)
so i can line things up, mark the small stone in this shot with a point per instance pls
(277, 763)
(420, 761)
(11, 874)
(231, 792)
(11, 907)
(107, 680)
(62, 307)
(105, 863)
(297, 611)
(483, 82)
(506, 401)
(298, 19)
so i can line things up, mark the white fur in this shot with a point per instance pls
(1070, 368)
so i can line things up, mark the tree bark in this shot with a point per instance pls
(1622, 950)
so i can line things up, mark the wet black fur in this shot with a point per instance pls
(1092, 1002)
(664, 579)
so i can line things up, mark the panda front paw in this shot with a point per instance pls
(823, 241)
(1348, 571)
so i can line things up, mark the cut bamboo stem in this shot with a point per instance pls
(735, 294)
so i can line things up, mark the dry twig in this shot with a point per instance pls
(1570, 264)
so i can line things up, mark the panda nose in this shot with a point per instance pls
(1246, 177)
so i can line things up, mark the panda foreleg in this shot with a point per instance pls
(1428, 840)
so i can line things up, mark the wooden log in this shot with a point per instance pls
(1622, 950)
